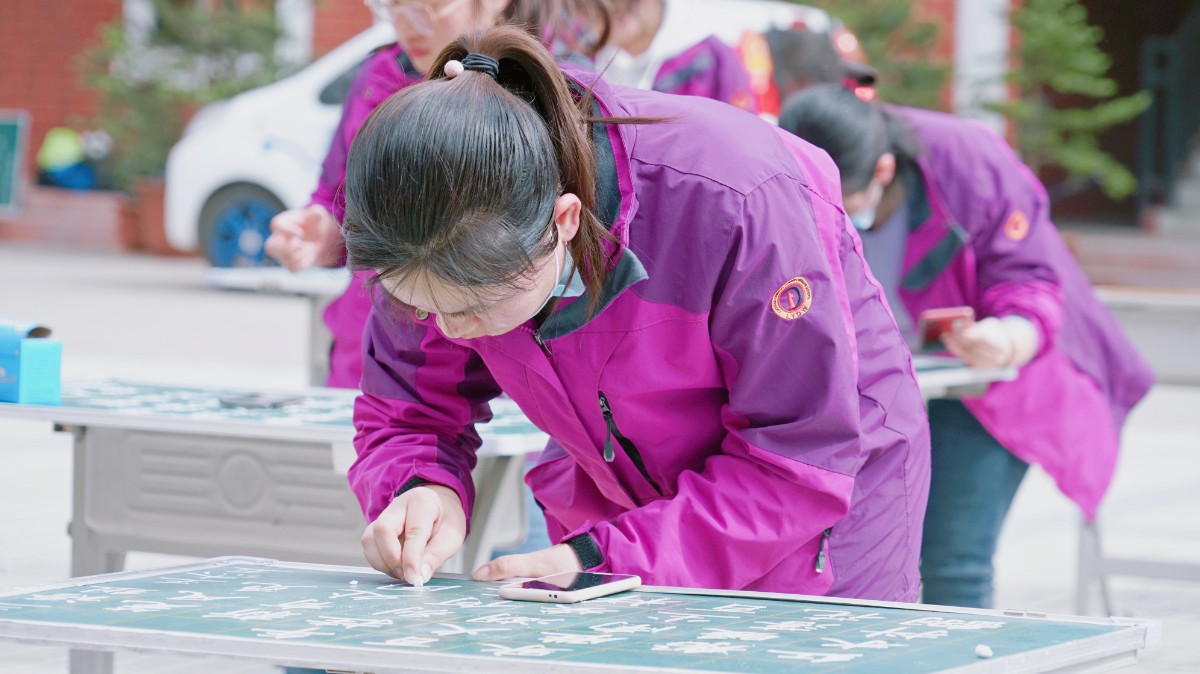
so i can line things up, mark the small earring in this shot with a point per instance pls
(453, 68)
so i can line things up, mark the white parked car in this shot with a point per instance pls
(243, 160)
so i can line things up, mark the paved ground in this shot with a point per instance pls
(154, 320)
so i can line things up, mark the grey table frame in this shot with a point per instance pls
(1095, 654)
(100, 435)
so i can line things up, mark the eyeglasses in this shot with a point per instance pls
(422, 16)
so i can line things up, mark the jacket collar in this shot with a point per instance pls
(615, 206)
(406, 66)
(924, 212)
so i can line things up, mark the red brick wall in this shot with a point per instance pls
(335, 21)
(941, 12)
(39, 42)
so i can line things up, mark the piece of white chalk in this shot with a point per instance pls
(983, 651)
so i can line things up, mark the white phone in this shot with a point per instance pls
(569, 587)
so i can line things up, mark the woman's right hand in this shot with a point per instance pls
(304, 237)
(416, 533)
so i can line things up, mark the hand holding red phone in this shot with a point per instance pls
(994, 342)
(933, 324)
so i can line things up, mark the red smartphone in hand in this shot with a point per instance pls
(933, 323)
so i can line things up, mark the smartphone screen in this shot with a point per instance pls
(933, 323)
(573, 580)
(569, 587)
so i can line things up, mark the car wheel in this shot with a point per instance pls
(235, 223)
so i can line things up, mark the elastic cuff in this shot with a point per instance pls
(586, 550)
(412, 483)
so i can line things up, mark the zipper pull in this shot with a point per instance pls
(821, 551)
(609, 453)
(537, 337)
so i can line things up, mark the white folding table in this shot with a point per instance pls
(170, 469)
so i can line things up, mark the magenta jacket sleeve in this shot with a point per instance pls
(378, 78)
(1010, 228)
(359, 103)
(792, 417)
(415, 420)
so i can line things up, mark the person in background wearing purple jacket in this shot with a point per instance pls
(951, 217)
(648, 52)
(311, 236)
(665, 285)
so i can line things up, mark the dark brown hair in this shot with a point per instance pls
(854, 132)
(457, 177)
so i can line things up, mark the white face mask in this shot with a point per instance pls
(569, 283)
(553, 290)
(864, 219)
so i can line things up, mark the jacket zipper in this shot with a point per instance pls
(630, 448)
(537, 337)
(821, 555)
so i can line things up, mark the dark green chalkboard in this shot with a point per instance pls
(14, 126)
(357, 619)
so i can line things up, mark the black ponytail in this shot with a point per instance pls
(854, 132)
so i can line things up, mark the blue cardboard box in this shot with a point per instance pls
(30, 364)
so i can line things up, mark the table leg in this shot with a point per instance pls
(88, 557)
(1085, 568)
(319, 341)
(485, 521)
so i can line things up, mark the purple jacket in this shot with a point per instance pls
(741, 412)
(981, 235)
(386, 71)
(711, 69)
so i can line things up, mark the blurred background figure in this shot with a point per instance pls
(311, 236)
(659, 45)
(950, 217)
(749, 53)
(782, 61)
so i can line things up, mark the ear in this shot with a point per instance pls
(885, 169)
(567, 208)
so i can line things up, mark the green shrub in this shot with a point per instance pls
(148, 86)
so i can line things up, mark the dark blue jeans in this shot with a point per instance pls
(973, 483)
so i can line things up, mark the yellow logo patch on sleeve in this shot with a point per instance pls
(1017, 226)
(793, 299)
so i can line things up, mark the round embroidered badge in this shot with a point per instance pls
(1017, 226)
(793, 299)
